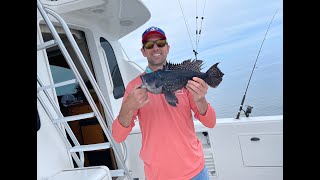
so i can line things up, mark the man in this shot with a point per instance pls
(170, 148)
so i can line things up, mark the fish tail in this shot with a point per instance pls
(214, 76)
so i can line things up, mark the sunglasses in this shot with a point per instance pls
(160, 43)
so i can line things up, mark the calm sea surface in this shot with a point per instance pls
(264, 92)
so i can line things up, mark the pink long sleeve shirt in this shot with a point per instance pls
(170, 148)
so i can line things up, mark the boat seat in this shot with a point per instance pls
(85, 173)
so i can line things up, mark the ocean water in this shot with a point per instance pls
(264, 94)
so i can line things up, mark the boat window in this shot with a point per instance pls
(118, 86)
(38, 121)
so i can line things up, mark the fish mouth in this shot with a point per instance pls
(142, 86)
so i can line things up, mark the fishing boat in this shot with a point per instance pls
(82, 72)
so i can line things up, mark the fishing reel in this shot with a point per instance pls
(248, 110)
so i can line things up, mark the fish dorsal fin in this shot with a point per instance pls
(192, 65)
(163, 67)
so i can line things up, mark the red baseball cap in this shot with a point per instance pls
(152, 30)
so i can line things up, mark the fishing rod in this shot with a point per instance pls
(249, 108)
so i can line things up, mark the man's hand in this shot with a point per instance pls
(135, 100)
(198, 88)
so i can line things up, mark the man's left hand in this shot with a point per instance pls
(198, 88)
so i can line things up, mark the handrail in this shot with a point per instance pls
(65, 124)
(130, 60)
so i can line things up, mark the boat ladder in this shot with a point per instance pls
(52, 108)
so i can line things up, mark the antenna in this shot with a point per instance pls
(248, 111)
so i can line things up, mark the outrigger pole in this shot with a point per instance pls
(244, 96)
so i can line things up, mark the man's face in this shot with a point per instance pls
(157, 55)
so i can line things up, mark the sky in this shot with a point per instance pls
(232, 33)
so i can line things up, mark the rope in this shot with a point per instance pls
(198, 38)
(196, 21)
(198, 30)
(185, 21)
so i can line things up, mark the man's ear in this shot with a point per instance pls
(143, 52)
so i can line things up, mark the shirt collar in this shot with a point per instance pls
(148, 70)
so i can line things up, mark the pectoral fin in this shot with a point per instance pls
(171, 98)
(158, 83)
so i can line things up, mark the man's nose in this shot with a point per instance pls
(155, 46)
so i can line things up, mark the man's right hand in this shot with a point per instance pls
(137, 98)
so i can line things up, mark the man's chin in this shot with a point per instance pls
(159, 61)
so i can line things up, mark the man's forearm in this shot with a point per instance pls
(125, 117)
(202, 106)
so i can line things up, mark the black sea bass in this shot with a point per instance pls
(175, 76)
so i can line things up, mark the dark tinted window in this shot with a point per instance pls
(38, 121)
(118, 86)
